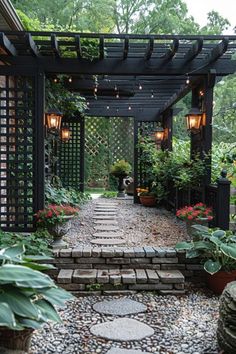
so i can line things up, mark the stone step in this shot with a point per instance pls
(104, 217)
(105, 214)
(106, 222)
(108, 234)
(102, 210)
(123, 279)
(106, 228)
(108, 241)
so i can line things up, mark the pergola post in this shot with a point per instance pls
(207, 129)
(168, 127)
(196, 137)
(136, 160)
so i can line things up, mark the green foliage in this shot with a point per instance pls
(216, 247)
(109, 194)
(59, 195)
(27, 296)
(121, 167)
(36, 243)
(94, 287)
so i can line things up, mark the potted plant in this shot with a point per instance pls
(196, 214)
(146, 197)
(121, 169)
(217, 248)
(27, 298)
(57, 220)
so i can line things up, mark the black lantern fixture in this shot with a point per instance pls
(159, 134)
(65, 134)
(53, 120)
(194, 120)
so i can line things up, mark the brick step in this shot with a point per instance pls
(165, 282)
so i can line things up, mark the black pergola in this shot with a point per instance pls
(149, 73)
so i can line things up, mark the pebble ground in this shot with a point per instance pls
(182, 325)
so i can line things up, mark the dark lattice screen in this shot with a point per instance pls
(17, 137)
(106, 140)
(145, 129)
(70, 154)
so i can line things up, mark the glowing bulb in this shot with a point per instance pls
(108, 107)
(201, 93)
(115, 88)
(95, 89)
(152, 94)
(70, 79)
(187, 80)
(129, 108)
(140, 86)
(117, 95)
(55, 80)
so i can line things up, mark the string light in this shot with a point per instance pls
(95, 89)
(140, 86)
(70, 79)
(115, 88)
(108, 107)
(117, 95)
(187, 80)
(152, 94)
(201, 93)
(129, 108)
(56, 80)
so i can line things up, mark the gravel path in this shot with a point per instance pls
(182, 325)
(141, 226)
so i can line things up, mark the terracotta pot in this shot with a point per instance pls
(219, 280)
(18, 341)
(147, 200)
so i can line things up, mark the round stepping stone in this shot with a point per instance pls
(108, 234)
(106, 228)
(105, 211)
(104, 217)
(125, 351)
(106, 205)
(106, 222)
(122, 329)
(108, 241)
(119, 307)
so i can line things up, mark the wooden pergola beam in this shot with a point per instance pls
(31, 44)
(6, 45)
(126, 48)
(78, 46)
(150, 49)
(218, 50)
(170, 53)
(194, 50)
(101, 47)
(55, 46)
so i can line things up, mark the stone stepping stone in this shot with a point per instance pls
(122, 329)
(104, 217)
(105, 210)
(105, 213)
(125, 351)
(108, 234)
(106, 222)
(106, 228)
(119, 307)
(108, 241)
(106, 205)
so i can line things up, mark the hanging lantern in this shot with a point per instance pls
(159, 135)
(194, 119)
(53, 120)
(65, 134)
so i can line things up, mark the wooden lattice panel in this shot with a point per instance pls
(70, 155)
(17, 162)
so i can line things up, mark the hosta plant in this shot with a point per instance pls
(27, 296)
(216, 247)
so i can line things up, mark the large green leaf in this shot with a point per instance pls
(30, 258)
(7, 318)
(23, 276)
(37, 266)
(12, 253)
(183, 246)
(57, 296)
(20, 304)
(192, 253)
(219, 234)
(48, 311)
(31, 323)
(211, 266)
(216, 241)
(201, 228)
(229, 249)
(204, 245)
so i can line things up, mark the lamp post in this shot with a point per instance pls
(53, 120)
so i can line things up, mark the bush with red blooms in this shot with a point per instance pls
(54, 214)
(195, 212)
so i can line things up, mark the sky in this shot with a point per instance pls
(226, 8)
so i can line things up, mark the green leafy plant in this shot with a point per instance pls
(121, 167)
(27, 296)
(216, 247)
(109, 194)
(35, 243)
(54, 214)
(56, 194)
(94, 287)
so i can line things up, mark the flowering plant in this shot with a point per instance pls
(54, 214)
(142, 191)
(198, 211)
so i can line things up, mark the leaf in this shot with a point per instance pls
(211, 266)
(219, 234)
(204, 245)
(48, 311)
(183, 246)
(31, 323)
(201, 228)
(229, 250)
(12, 253)
(37, 266)
(57, 296)
(30, 258)
(192, 253)
(7, 318)
(215, 240)
(20, 304)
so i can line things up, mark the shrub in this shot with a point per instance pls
(121, 167)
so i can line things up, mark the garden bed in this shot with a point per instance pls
(140, 225)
